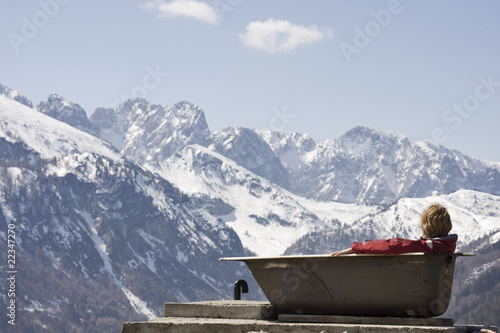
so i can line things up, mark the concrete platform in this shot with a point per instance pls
(260, 317)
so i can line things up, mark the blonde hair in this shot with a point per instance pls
(435, 221)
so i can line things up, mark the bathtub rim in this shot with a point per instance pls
(311, 256)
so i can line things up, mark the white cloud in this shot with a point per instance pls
(186, 8)
(276, 36)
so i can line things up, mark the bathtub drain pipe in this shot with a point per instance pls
(240, 286)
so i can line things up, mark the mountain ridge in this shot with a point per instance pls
(374, 167)
(378, 161)
(91, 218)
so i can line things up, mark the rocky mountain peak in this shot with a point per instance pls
(248, 149)
(365, 140)
(183, 112)
(130, 105)
(186, 106)
(71, 113)
(150, 133)
(303, 141)
(13, 94)
(192, 115)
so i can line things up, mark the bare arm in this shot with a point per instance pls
(338, 253)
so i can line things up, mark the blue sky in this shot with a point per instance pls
(427, 69)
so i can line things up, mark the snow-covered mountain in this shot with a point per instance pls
(112, 224)
(119, 240)
(148, 133)
(46, 137)
(474, 215)
(71, 113)
(375, 167)
(363, 166)
(266, 217)
(14, 95)
(245, 147)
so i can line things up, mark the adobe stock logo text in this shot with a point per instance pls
(31, 27)
(455, 115)
(364, 36)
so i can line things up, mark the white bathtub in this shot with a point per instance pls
(404, 285)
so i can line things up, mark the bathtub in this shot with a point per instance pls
(404, 285)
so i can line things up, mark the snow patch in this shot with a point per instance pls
(139, 305)
(478, 271)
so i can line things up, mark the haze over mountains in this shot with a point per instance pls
(121, 212)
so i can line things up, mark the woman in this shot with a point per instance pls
(436, 224)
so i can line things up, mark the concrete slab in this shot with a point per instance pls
(221, 325)
(293, 318)
(221, 309)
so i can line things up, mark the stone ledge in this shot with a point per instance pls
(221, 325)
(221, 309)
(293, 318)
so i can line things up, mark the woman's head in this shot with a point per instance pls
(435, 221)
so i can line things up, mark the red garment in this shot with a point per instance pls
(438, 245)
